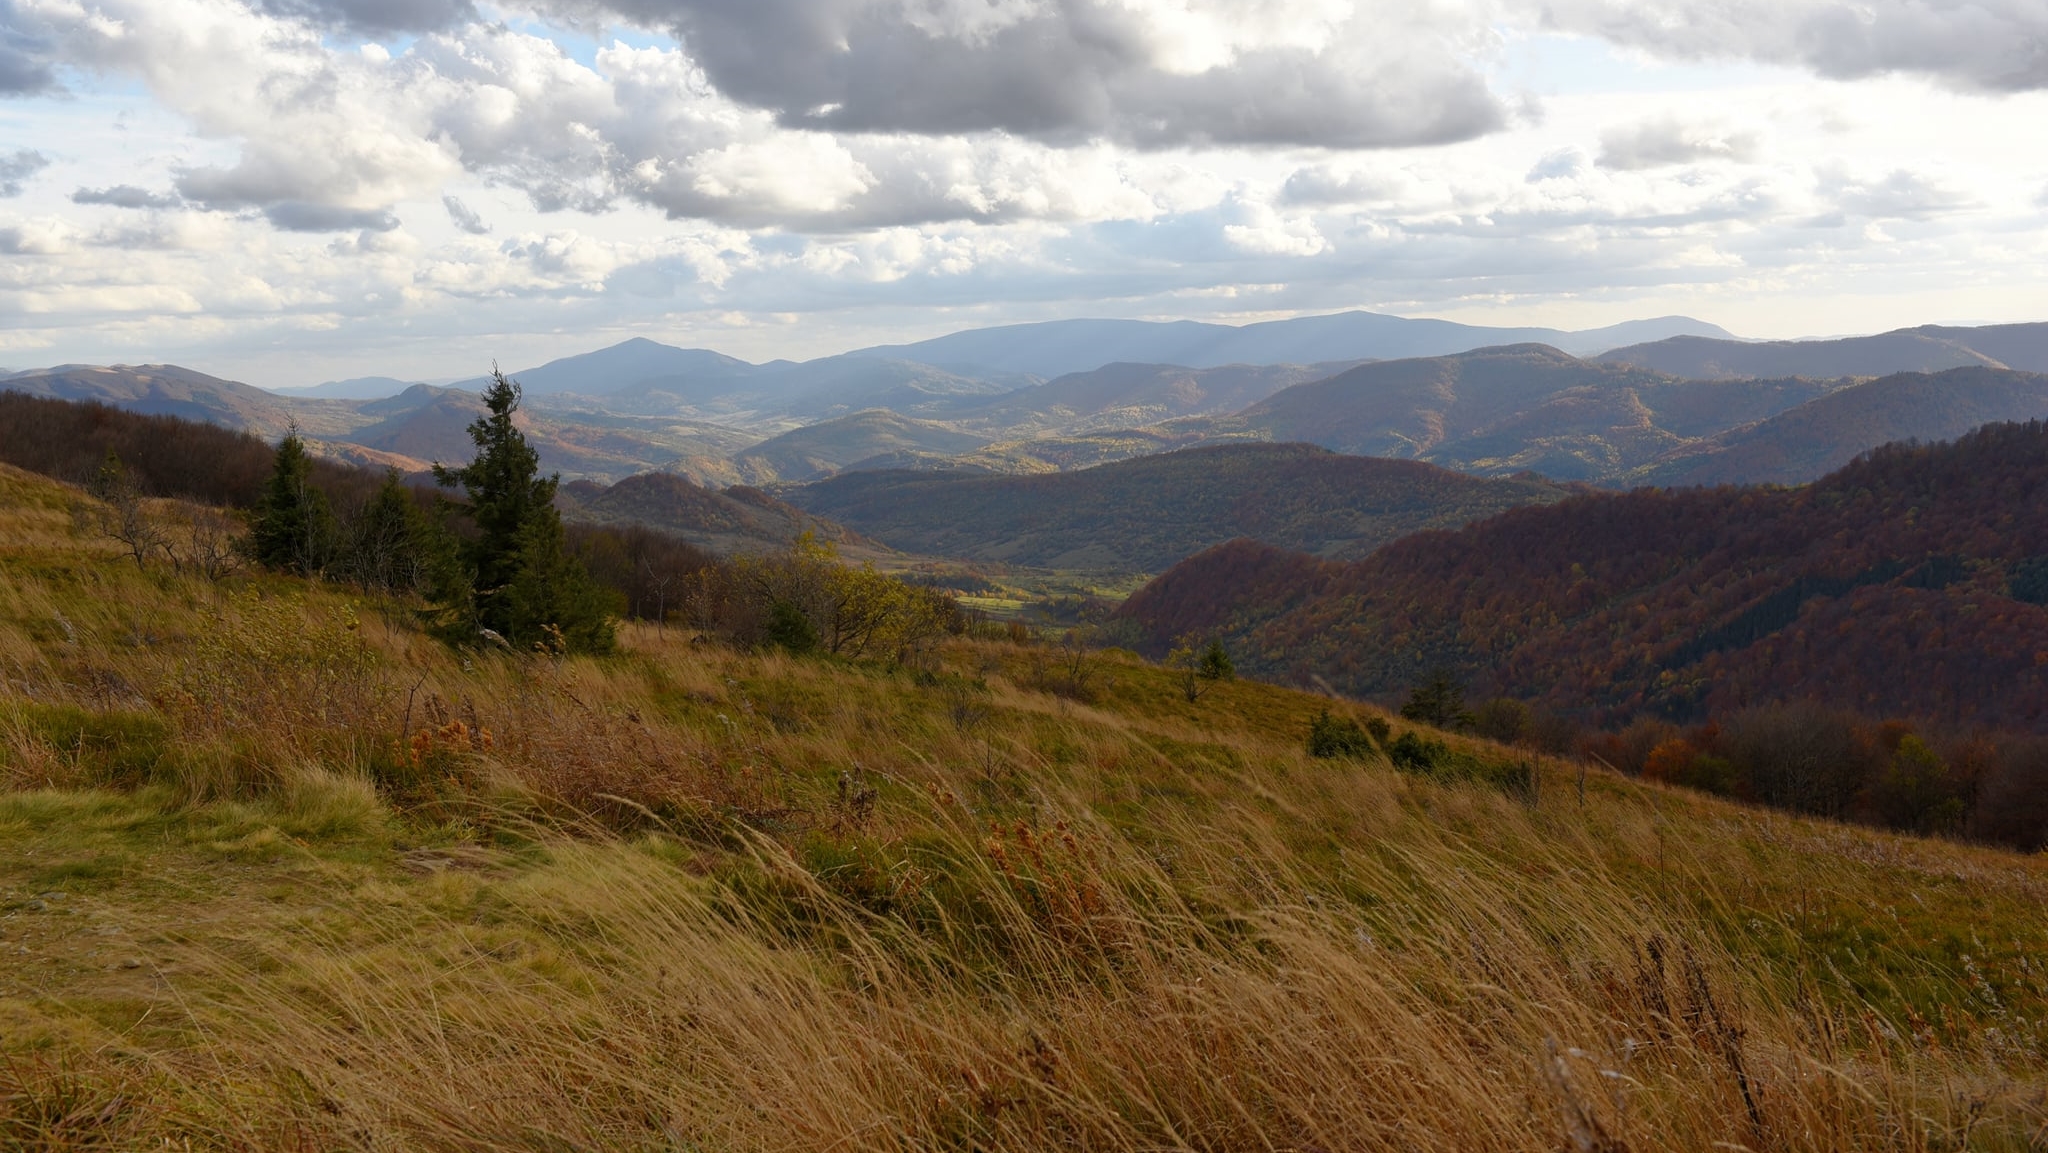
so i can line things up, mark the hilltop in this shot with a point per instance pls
(824, 448)
(276, 869)
(1144, 514)
(1902, 585)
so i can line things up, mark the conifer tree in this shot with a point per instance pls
(516, 576)
(293, 528)
(1439, 700)
(388, 540)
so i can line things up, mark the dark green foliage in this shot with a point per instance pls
(2029, 581)
(292, 529)
(552, 589)
(388, 544)
(1439, 700)
(1330, 736)
(504, 487)
(1422, 756)
(789, 627)
(1216, 663)
(1418, 754)
(515, 575)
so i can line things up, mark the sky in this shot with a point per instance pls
(291, 191)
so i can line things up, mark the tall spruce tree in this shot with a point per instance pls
(293, 528)
(516, 576)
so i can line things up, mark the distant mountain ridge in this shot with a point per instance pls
(1531, 408)
(1055, 348)
(1928, 348)
(358, 388)
(1012, 356)
(1491, 411)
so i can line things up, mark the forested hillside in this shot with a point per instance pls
(1911, 583)
(1145, 514)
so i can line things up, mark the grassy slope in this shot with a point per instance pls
(1131, 923)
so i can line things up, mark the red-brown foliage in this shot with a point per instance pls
(1881, 588)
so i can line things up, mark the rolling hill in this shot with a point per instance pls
(1530, 407)
(824, 448)
(1145, 514)
(159, 390)
(1118, 397)
(736, 520)
(1908, 583)
(1929, 348)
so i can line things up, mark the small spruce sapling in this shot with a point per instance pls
(1196, 671)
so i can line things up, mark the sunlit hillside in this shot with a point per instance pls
(277, 870)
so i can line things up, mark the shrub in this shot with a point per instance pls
(1330, 736)
(1418, 754)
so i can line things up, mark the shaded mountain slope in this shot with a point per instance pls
(1142, 515)
(736, 520)
(1802, 443)
(1900, 584)
(1410, 408)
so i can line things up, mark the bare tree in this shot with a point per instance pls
(213, 544)
(119, 512)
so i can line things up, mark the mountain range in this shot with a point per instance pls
(1777, 412)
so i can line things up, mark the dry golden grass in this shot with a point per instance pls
(688, 898)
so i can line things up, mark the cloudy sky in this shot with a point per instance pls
(287, 191)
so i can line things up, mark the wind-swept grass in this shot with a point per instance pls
(286, 874)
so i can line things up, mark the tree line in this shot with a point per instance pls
(1805, 757)
(482, 549)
